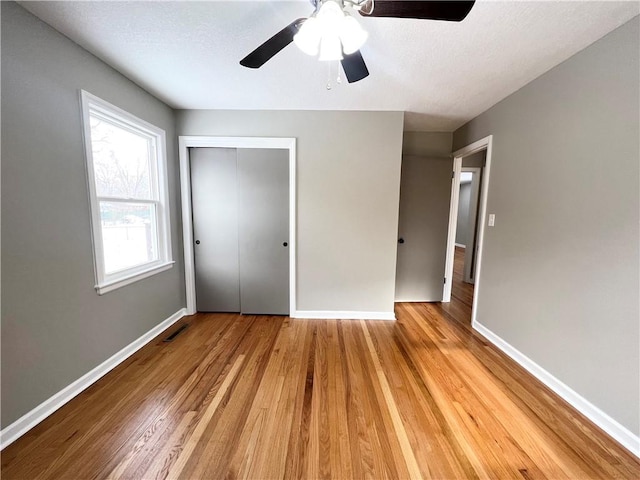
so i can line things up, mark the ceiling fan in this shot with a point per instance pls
(334, 34)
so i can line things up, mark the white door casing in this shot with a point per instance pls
(485, 143)
(186, 142)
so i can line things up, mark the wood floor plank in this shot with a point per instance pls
(196, 381)
(375, 420)
(465, 418)
(195, 437)
(297, 451)
(171, 449)
(362, 435)
(213, 456)
(398, 425)
(199, 383)
(270, 463)
(431, 439)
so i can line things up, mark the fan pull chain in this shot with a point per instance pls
(329, 75)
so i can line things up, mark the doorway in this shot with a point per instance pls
(249, 144)
(467, 224)
(466, 231)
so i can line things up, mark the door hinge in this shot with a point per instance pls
(453, 174)
(445, 280)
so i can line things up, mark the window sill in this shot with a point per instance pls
(121, 282)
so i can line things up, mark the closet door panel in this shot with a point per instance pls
(214, 199)
(263, 229)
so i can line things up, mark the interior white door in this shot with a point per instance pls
(214, 198)
(263, 226)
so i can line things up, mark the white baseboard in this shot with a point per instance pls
(417, 300)
(343, 315)
(29, 420)
(461, 245)
(618, 432)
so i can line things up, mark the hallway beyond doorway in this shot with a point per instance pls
(461, 291)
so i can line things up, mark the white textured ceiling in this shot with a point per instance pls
(441, 73)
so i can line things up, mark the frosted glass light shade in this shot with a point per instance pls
(352, 35)
(330, 14)
(308, 37)
(330, 48)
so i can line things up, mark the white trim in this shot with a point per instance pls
(237, 142)
(461, 245)
(474, 147)
(485, 143)
(343, 315)
(618, 432)
(106, 282)
(484, 194)
(184, 143)
(187, 225)
(107, 287)
(25, 423)
(451, 232)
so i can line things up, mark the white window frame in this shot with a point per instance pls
(108, 282)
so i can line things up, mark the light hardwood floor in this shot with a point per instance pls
(270, 397)
(461, 292)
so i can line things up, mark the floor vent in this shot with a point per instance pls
(176, 333)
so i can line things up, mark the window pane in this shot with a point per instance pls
(120, 161)
(128, 235)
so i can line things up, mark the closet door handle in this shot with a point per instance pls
(401, 240)
(197, 242)
(285, 244)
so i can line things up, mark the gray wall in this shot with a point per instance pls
(427, 144)
(560, 269)
(55, 327)
(348, 177)
(477, 159)
(462, 228)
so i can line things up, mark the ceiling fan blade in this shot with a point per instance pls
(354, 67)
(271, 47)
(452, 11)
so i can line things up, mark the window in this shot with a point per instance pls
(126, 170)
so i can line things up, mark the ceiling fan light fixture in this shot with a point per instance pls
(329, 32)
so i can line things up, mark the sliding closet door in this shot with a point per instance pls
(214, 198)
(263, 229)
